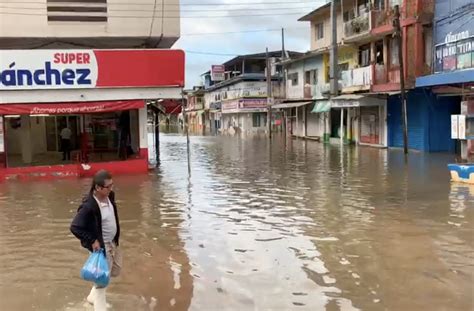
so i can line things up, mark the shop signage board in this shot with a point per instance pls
(458, 126)
(86, 69)
(70, 108)
(217, 72)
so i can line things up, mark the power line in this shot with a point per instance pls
(246, 3)
(175, 10)
(220, 10)
(238, 32)
(181, 4)
(169, 17)
(209, 53)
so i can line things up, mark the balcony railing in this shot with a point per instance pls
(382, 17)
(278, 91)
(357, 77)
(316, 91)
(380, 74)
(358, 26)
(383, 76)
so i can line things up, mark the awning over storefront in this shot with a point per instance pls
(355, 100)
(71, 108)
(290, 105)
(455, 77)
(321, 106)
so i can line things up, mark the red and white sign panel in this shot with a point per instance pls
(71, 108)
(217, 72)
(85, 69)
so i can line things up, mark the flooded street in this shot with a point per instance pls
(293, 225)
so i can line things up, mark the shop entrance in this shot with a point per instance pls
(39, 140)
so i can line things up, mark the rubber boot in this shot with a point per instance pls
(91, 297)
(100, 303)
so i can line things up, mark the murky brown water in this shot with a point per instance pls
(294, 226)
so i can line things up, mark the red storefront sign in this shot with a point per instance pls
(253, 103)
(86, 69)
(71, 108)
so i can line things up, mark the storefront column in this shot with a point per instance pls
(142, 126)
(305, 122)
(381, 126)
(297, 123)
(26, 145)
(327, 126)
(341, 130)
(349, 124)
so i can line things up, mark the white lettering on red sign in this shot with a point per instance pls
(47, 69)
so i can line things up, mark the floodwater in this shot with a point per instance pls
(293, 225)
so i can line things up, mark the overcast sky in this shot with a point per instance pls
(275, 16)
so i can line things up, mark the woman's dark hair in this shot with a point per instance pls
(99, 179)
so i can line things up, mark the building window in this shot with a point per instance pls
(256, 119)
(394, 52)
(293, 77)
(342, 67)
(311, 77)
(379, 59)
(92, 11)
(393, 3)
(319, 30)
(363, 7)
(364, 55)
(379, 5)
(428, 38)
(348, 15)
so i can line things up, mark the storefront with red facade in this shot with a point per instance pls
(69, 113)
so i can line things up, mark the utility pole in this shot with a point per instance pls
(283, 57)
(333, 73)
(333, 69)
(398, 36)
(283, 52)
(269, 96)
(186, 128)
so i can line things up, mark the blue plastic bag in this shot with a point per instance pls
(96, 269)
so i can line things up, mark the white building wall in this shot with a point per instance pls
(295, 91)
(37, 132)
(82, 95)
(315, 123)
(324, 17)
(30, 20)
(300, 67)
(242, 123)
(142, 126)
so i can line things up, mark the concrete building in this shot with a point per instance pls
(306, 106)
(88, 66)
(105, 24)
(368, 61)
(238, 101)
(195, 112)
(450, 87)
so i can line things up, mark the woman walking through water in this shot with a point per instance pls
(97, 226)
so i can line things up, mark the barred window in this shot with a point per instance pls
(77, 10)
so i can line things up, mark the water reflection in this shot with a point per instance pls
(294, 225)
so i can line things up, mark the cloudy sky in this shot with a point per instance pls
(203, 49)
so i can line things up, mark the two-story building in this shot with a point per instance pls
(78, 80)
(451, 84)
(239, 103)
(368, 61)
(306, 105)
(195, 110)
